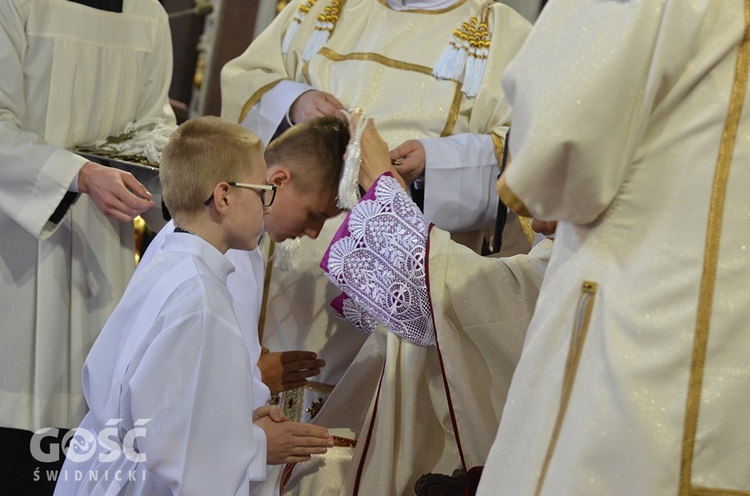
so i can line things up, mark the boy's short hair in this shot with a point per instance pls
(201, 153)
(314, 151)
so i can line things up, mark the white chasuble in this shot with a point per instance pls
(382, 60)
(635, 373)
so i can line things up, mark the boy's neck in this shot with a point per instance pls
(210, 232)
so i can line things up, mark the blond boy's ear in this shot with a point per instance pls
(221, 198)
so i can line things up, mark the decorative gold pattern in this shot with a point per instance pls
(510, 199)
(395, 64)
(710, 265)
(472, 35)
(315, 407)
(303, 10)
(306, 72)
(374, 57)
(255, 97)
(709, 491)
(344, 442)
(577, 339)
(324, 28)
(291, 30)
(453, 114)
(330, 16)
(292, 401)
(525, 223)
(266, 289)
(499, 144)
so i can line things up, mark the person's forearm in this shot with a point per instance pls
(378, 258)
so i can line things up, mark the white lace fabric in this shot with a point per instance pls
(145, 138)
(381, 265)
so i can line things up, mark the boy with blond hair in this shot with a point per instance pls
(169, 381)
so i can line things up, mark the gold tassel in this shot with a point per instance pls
(323, 29)
(465, 57)
(291, 31)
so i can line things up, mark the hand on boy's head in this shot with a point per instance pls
(409, 158)
(117, 194)
(292, 442)
(376, 159)
(313, 104)
(286, 370)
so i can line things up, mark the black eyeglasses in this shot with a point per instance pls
(261, 188)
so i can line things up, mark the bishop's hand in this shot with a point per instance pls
(312, 104)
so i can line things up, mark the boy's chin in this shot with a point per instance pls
(250, 246)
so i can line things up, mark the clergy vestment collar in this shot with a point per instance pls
(421, 4)
(199, 247)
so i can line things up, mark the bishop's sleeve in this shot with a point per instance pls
(378, 258)
(578, 106)
(245, 79)
(194, 382)
(461, 169)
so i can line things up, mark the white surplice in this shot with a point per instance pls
(634, 134)
(71, 75)
(245, 286)
(170, 361)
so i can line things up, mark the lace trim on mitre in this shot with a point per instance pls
(465, 57)
(381, 265)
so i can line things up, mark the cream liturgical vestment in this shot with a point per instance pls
(426, 395)
(635, 376)
(71, 74)
(382, 60)
(169, 385)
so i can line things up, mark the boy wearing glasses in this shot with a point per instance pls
(304, 165)
(168, 381)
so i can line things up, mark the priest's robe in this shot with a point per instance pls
(71, 75)
(635, 373)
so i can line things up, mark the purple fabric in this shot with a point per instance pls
(378, 258)
(344, 229)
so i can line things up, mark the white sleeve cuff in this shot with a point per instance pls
(265, 116)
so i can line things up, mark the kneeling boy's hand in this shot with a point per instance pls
(292, 442)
